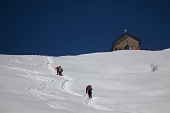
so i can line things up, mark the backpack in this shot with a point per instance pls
(89, 86)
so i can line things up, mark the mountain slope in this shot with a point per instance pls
(122, 81)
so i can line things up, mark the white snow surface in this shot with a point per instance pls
(122, 82)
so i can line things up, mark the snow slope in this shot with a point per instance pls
(122, 82)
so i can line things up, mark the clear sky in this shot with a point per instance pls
(73, 27)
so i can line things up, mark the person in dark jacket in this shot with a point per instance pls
(89, 91)
(60, 71)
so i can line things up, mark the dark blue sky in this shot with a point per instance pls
(73, 27)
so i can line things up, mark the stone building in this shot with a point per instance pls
(126, 42)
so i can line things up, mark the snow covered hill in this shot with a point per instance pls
(122, 82)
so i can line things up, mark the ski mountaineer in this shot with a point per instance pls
(60, 71)
(57, 68)
(89, 91)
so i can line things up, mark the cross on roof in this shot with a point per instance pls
(125, 31)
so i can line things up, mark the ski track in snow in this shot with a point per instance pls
(32, 65)
(49, 63)
(14, 60)
(66, 86)
(93, 104)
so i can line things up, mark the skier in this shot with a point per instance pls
(89, 91)
(57, 68)
(60, 71)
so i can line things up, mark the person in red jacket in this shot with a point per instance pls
(89, 91)
(57, 68)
